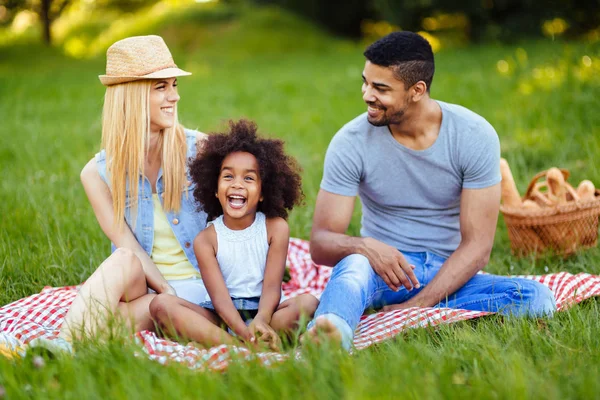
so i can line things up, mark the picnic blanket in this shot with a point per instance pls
(41, 315)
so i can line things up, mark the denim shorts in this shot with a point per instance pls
(190, 289)
(247, 307)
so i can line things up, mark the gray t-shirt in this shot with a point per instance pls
(410, 198)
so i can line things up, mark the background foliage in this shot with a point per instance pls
(300, 84)
(470, 20)
(476, 20)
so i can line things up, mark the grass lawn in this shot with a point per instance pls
(542, 97)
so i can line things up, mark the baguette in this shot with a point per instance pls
(557, 191)
(510, 193)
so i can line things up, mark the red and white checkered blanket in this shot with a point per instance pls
(42, 314)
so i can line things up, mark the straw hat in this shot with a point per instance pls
(139, 57)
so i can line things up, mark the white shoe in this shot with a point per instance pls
(54, 346)
(11, 347)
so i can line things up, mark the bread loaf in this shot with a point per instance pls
(510, 193)
(530, 205)
(586, 190)
(557, 192)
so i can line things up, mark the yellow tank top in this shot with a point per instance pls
(167, 253)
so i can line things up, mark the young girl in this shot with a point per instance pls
(246, 185)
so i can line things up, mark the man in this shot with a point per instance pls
(428, 176)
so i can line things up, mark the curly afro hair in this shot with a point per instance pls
(279, 173)
(408, 54)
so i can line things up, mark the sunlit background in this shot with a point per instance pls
(531, 68)
(84, 27)
(294, 66)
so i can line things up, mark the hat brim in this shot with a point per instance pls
(108, 80)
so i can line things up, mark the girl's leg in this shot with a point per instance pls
(182, 319)
(118, 285)
(289, 313)
(137, 313)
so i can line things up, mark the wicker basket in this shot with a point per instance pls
(561, 229)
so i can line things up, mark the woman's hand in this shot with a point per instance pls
(166, 288)
(263, 332)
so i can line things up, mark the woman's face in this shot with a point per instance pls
(163, 99)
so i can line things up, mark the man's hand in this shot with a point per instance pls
(264, 333)
(390, 265)
(401, 306)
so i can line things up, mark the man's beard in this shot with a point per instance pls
(386, 120)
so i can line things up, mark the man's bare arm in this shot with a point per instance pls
(478, 217)
(329, 242)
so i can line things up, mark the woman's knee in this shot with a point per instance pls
(127, 261)
(124, 254)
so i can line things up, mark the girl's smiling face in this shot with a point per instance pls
(239, 189)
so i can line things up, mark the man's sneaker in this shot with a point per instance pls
(53, 347)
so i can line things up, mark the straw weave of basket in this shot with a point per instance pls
(562, 228)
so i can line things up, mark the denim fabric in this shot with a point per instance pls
(354, 286)
(247, 307)
(186, 224)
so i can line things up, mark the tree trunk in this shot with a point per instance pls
(46, 20)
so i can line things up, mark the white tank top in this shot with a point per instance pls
(242, 256)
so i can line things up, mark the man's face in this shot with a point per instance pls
(385, 95)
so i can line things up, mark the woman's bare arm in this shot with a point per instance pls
(100, 198)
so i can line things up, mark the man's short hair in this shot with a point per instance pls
(407, 53)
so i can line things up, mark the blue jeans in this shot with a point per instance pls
(247, 307)
(354, 286)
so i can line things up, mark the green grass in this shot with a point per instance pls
(302, 86)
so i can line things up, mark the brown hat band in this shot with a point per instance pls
(148, 72)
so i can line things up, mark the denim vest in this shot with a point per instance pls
(186, 224)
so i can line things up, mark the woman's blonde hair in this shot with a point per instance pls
(126, 140)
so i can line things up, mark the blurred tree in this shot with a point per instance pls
(123, 5)
(8, 10)
(341, 18)
(503, 20)
(494, 19)
(47, 11)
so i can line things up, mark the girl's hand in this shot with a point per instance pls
(265, 334)
(245, 334)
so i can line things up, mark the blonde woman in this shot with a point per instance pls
(141, 193)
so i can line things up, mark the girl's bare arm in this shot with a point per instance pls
(279, 236)
(205, 248)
